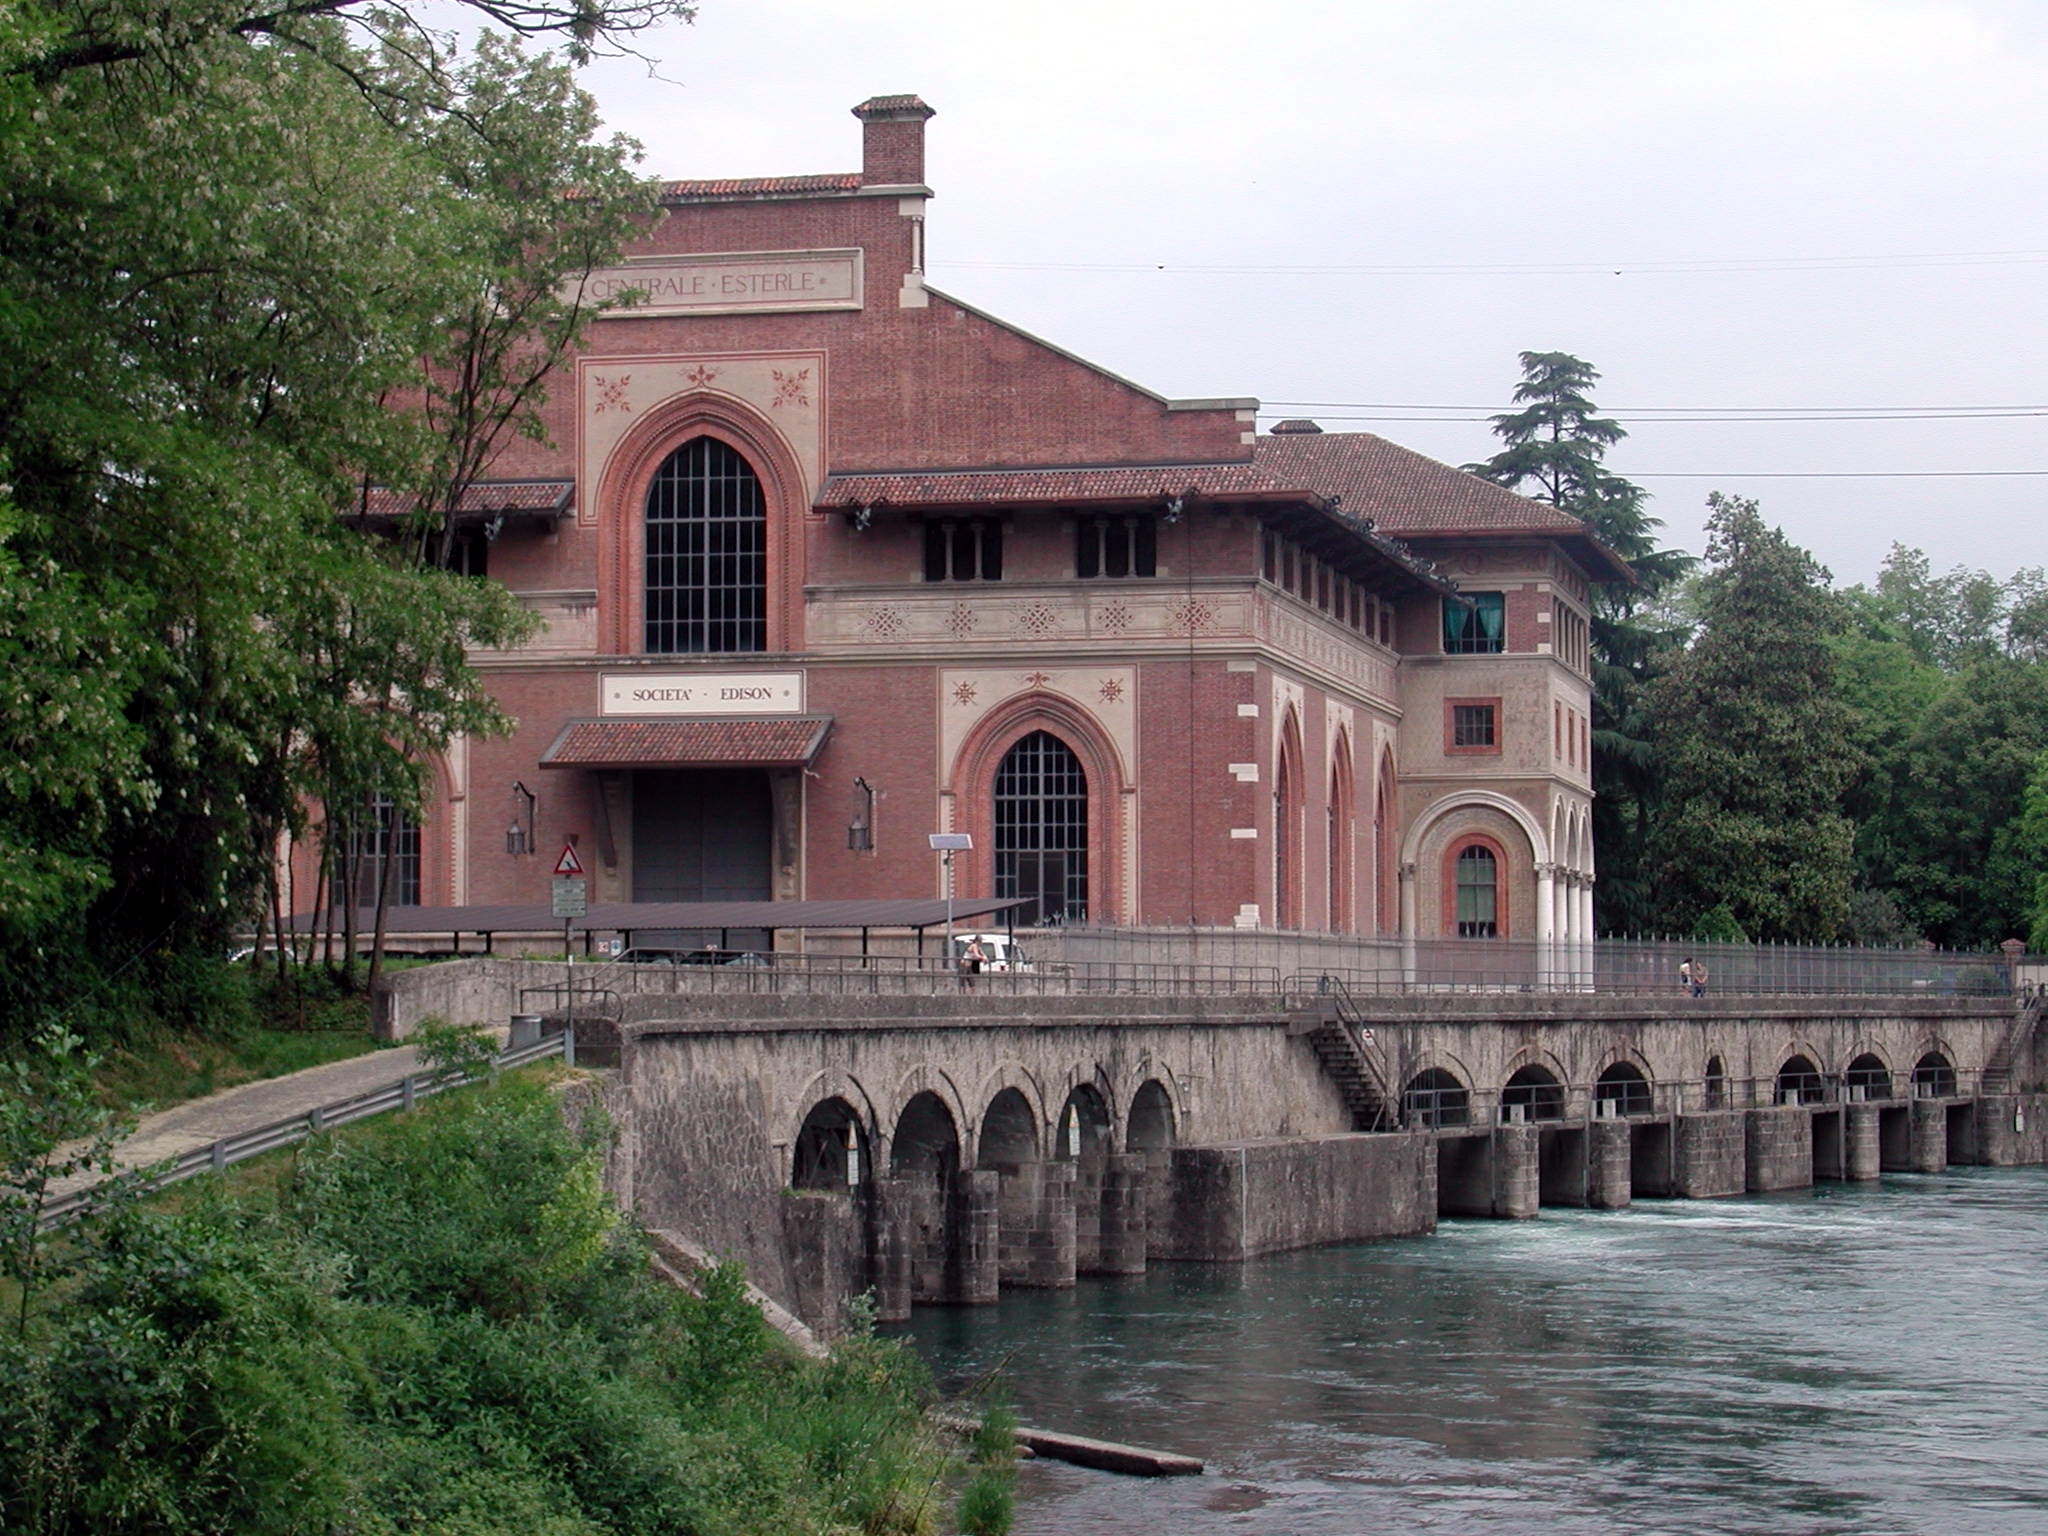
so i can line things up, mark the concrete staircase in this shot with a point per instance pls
(1344, 1045)
(2026, 1024)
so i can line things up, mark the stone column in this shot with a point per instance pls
(1408, 922)
(1707, 1155)
(974, 1230)
(1088, 1180)
(889, 1217)
(1049, 1258)
(1861, 1159)
(1123, 1241)
(1778, 1151)
(1609, 1176)
(1516, 1171)
(1546, 922)
(1930, 1136)
(1584, 928)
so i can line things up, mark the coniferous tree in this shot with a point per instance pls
(1556, 443)
(1756, 746)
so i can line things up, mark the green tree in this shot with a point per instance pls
(1556, 445)
(1757, 746)
(2031, 846)
(225, 250)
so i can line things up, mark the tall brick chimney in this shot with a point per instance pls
(892, 141)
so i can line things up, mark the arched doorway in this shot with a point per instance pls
(1041, 829)
(1716, 1084)
(1149, 1129)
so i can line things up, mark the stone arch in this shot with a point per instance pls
(1014, 1077)
(1436, 1096)
(832, 1149)
(971, 784)
(926, 1140)
(1536, 1089)
(1456, 820)
(1800, 1079)
(924, 1078)
(1086, 1127)
(1011, 1131)
(622, 491)
(1625, 1082)
(1868, 1075)
(832, 1083)
(1714, 1081)
(1934, 1074)
(1152, 1124)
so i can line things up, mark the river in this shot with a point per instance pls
(1854, 1359)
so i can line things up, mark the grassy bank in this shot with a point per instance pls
(434, 1323)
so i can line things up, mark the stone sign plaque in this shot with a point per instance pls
(703, 693)
(745, 282)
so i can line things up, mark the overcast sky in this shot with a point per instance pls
(1363, 210)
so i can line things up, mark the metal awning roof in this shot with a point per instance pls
(786, 742)
(629, 916)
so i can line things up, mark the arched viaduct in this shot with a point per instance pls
(941, 1148)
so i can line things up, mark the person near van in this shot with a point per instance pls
(972, 961)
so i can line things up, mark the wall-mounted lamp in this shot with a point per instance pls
(860, 832)
(863, 515)
(519, 838)
(1174, 507)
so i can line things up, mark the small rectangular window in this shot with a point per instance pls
(967, 549)
(1472, 725)
(1115, 547)
(1475, 625)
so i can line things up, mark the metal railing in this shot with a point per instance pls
(1084, 961)
(1568, 1105)
(763, 973)
(229, 1150)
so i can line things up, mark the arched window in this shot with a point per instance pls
(1287, 831)
(1478, 892)
(707, 553)
(1041, 806)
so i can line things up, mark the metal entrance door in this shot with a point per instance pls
(704, 836)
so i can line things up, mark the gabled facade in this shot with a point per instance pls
(830, 560)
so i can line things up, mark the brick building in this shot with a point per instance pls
(830, 560)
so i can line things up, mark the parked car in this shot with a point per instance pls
(1000, 953)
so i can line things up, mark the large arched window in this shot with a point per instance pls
(1041, 806)
(707, 553)
(1478, 892)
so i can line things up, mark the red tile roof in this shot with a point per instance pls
(759, 186)
(779, 743)
(887, 106)
(1405, 495)
(485, 497)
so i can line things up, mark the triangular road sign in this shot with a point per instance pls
(568, 863)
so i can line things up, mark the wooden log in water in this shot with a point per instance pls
(1106, 1455)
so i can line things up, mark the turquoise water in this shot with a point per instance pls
(1853, 1359)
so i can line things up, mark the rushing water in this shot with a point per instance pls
(1854, 1359)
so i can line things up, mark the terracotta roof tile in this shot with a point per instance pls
(1403, 492)
(759, 186)
(486, 497)
(777, 743)
(889, 106)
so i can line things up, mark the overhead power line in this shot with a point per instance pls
(1617, 268)
(1659, 415)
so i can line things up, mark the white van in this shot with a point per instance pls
(1002, 953)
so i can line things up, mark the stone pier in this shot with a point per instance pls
(1609, 1165)
(1779, 1149)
